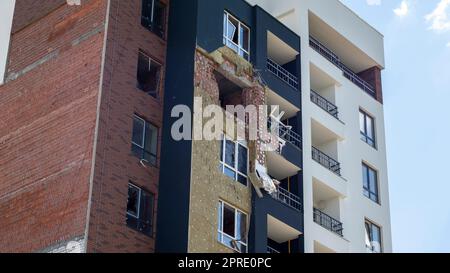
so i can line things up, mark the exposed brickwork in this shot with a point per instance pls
(373, 76)
(29, 11)
(115, 166)
(47, 129)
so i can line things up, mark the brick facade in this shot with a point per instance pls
(66, 126)
(115, 166)
(47, 128)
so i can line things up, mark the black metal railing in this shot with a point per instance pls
(326, 161)
(323, 103)
(348, 73)
(282, 73)
(288, 198)
(328, 222)
(271, 250)
(287, 134)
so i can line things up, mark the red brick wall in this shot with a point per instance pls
(47, 128)
(373, 76)
(28, 11)
(114, 165)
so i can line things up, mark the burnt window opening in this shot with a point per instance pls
(140, 210)
(148, 75)
(230, 94)
(154, 16)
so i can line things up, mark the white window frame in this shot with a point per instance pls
(371, 247)
(227, 41)
(144, 132)
(138, 201)
(364, 137)
(220, 225)
(144, 135)
(235, 168)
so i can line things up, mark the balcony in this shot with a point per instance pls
(328, 222)
(282, 74)
(272, 250)
(288, 198)
(286, 133)
(347, 72)
(326, 105)
(326, 161)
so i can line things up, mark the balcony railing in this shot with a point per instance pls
(326, 161)
(272, 250)
(348, 73)
(323, 103)
(328, 222)
(282, 73)
(288, 198)
(286, 133)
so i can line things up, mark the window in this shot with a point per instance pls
(370, 183)
(234, 160)
(236, 36)
(373, 237)
(140, 210)
(148, 75)
(367, 128)
(144, 140)
(154, 16)
(232, 230)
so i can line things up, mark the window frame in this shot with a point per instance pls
(151, 26)
(143, 146)
(235, 169)
(140, 219)
(159, 76)
(138, 203)
(370, 235)
(371, 141)
(227, 40)
(366, 175)
(221, 233)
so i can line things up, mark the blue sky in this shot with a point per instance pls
(416, 85)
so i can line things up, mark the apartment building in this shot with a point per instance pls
(89, 161)
(321, 64)
(80, 129)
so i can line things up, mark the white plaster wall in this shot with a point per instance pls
(354, 207)
(6, 15)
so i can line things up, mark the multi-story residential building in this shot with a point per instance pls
(92, 94)
(79, 134)
(322, 65)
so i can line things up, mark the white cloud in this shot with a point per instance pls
(439, 18)
(373, 2)
(403, 9)
(448, 44)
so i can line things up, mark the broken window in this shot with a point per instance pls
(144, 140)
(234, 160)
(232, 227)
(236, 36)
(140, 210)
(373, 237)
(154, 16)
(148, 75)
